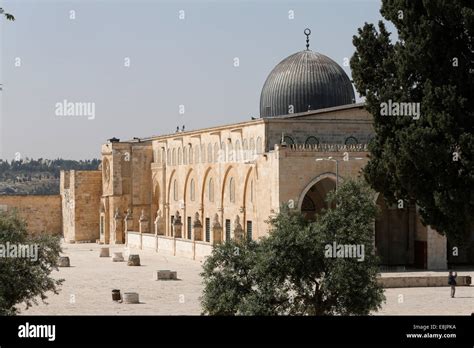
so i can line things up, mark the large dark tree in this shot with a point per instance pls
(427, 160)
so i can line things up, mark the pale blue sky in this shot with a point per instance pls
(174, 62)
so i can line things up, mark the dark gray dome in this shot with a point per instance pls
(306, 80)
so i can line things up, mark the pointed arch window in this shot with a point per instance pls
(232, 190)
(192, 190)
(211, 190)
(175, 190)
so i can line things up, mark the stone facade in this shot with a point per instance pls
(41, 213)
(183, 192)
(206, 186)
(80, 198)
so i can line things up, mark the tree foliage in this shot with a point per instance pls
(290, 273)
(427, 160)
(8, 16)
(25, 280)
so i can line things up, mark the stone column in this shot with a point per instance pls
(144, 225)
(159, 228)
(238, 230)
(118, 228)
(197, 228)
(436, 250)
(167, 220)
(216, 230)
(177, 225)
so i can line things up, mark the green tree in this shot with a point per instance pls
(428, 160)
(8, 16)
(290, 271)
(23, 280)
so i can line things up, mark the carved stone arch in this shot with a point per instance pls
(351, 141)
(313, 182)
(225, 180)
(209, 172)
(170, 186)
(186, 184)
(248, 176)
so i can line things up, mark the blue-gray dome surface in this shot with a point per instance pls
(305, 81)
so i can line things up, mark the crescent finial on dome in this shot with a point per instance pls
(307, 32)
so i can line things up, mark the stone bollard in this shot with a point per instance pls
(104, 252)
(63, 261)
(166, 275)
(118, 257)
(130, 297)
(116, 295)
(133, 260)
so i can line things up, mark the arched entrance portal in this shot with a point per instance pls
(314, 198)
(392, 236)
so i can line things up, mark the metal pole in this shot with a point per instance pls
(337, 174)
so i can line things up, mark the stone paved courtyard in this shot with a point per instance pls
(90, 280)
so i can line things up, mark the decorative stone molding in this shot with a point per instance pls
(216, 230)
(159, 223)
(143, 223)
(177, 225)
(128, 221)
(238, 230)
(197, 227)
(328, 147)
(118, 235)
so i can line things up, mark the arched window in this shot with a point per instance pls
(192, 194)
(230, 152)
(311, 140)
(251, 148)
(173, 160)
(246, 148)
(175, 190)
(232, 190)
(351, 141)
(203, 153)
(223, 155)
(237, 151)
(163, 156)
(190, 155)
(180, 156)
(288, 140)
(216, 152)
(211, 190)
(259, 145)
(209, 153)
(196, 154)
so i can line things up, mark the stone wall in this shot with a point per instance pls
(80, 192)
(332, 127)
(194, 250)
(42, 213)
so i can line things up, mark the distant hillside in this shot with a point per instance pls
(37, 177)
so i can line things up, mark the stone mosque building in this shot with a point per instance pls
(180, 193)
